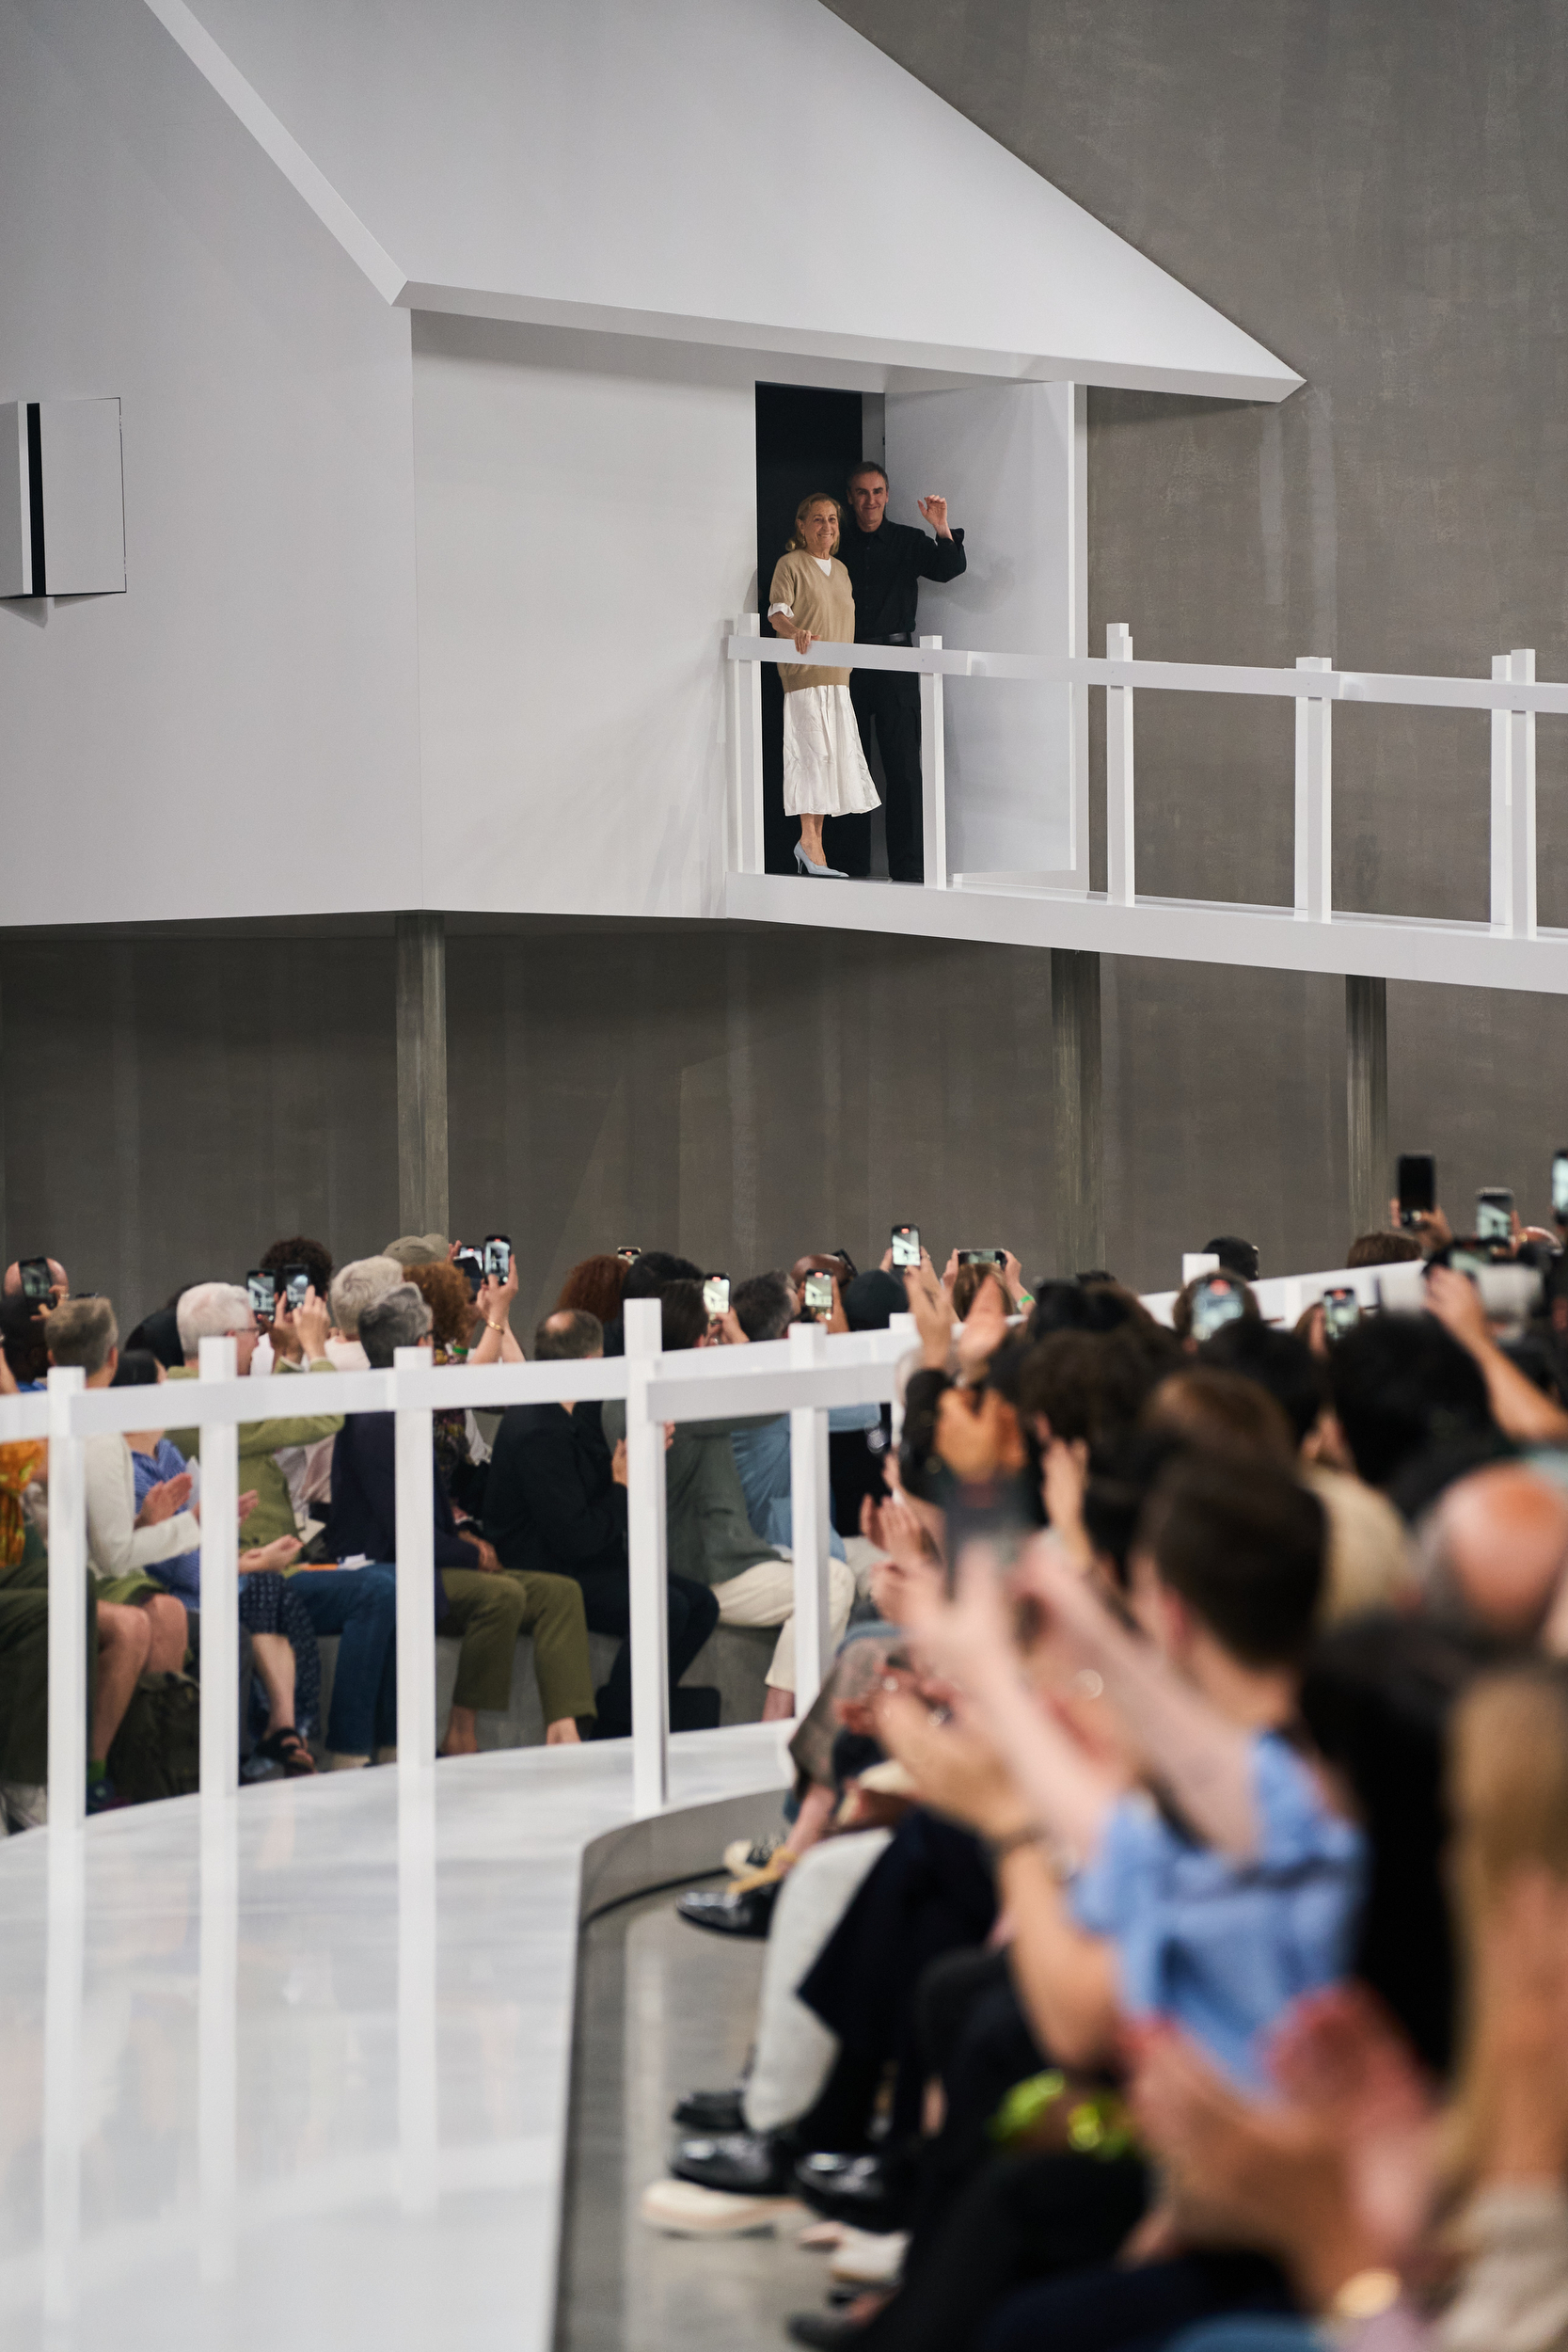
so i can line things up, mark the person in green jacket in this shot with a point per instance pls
(222, 1310)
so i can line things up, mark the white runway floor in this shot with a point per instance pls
(308, 2085)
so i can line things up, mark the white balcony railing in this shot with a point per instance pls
(1511, 694)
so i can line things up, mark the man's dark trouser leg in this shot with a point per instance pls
(890, 700)
(693, 1613)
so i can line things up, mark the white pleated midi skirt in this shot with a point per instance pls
(825, 773)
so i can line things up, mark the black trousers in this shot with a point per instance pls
(888, 703)
(607, 1604)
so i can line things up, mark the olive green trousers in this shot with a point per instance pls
(489, 1608)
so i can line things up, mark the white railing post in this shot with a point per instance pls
(933, 773)
(744, 732)
(220, 1593)
(416, 1578)
(68, 1611)
(1121, 833)
(1521, 797)
(1502, 895)
(809, 1497)
(645, 1553)
(908, 1330)
(1314, 799)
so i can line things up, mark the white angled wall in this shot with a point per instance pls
(237, 734)
(1004, 458)
(587, 521)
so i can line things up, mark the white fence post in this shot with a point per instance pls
(68, 1610)
(745, 750)
(220, 1593)
(1502, 896)
(1314, 799)
(933, 773)
(1121, 833)
(1521, 796)
(809, 1497)
(645, 1550)
(416, 1578)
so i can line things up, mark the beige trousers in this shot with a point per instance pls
(765, 1595)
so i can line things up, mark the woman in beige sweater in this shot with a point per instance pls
(825, 773)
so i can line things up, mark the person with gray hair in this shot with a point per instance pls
(222, 1310)
(355, 1287)
(489, 1606)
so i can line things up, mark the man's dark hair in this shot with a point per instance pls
(1279, 1362)
(868, 464)
(763, 1305)
(1235, 1255)
(647, 1274)
(567, 1336)
(683, 1317)
(1383, 1250)
(1243, 1545)
(1401, 1383)
(300, 1250)
(1088, 1384)
(1094, 1306)
(137, 1368)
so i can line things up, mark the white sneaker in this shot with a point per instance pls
(22, 1807)
(868, 2258)
(682, 2209)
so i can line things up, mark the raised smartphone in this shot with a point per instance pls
(906, 1245)
(1494, 1214)
(1341, 1311)
(262, 1291)
(818, 1296)
(716, 1296)
(1216, 1302)
(1418, 1185)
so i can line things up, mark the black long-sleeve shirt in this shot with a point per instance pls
(364, 1519)
(886, 567)
(551, 1501)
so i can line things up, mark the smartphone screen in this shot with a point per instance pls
(818, 1294)
(1469, 1262)
(983, 1257)
(498, 1256)
(906, 1245)
(262, 1291)
(1560, 1186)
(628, 1251)
(1342, 1312)
(1418, 1185)
(1216, 1302)
(1494, 1214)
(472, 1266)
(296, 1282)
(36, 1284)
(716, 1296)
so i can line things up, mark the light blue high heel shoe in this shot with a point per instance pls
(823, 873)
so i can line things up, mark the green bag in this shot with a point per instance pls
(157, 1750)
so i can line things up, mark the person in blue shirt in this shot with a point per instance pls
(1209, 1878)
(283, 1640)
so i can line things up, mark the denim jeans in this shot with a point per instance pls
(360, 1606)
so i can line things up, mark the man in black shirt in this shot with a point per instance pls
(886, 563)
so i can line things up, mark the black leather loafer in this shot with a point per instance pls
(712, 2111)
(730, 1915)
(866, 2192)
(746, 2164)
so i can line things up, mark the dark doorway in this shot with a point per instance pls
(806, 440)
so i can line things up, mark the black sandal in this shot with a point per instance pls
(287, 1748)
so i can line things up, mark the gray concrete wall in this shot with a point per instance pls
(173, 1102)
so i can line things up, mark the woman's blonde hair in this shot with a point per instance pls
(1508, 1800)
(817, 497)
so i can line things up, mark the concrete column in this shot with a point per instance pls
(1078, 1152)
(1366, 1101)
(422, 941)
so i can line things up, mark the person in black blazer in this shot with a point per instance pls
(556, 1501)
